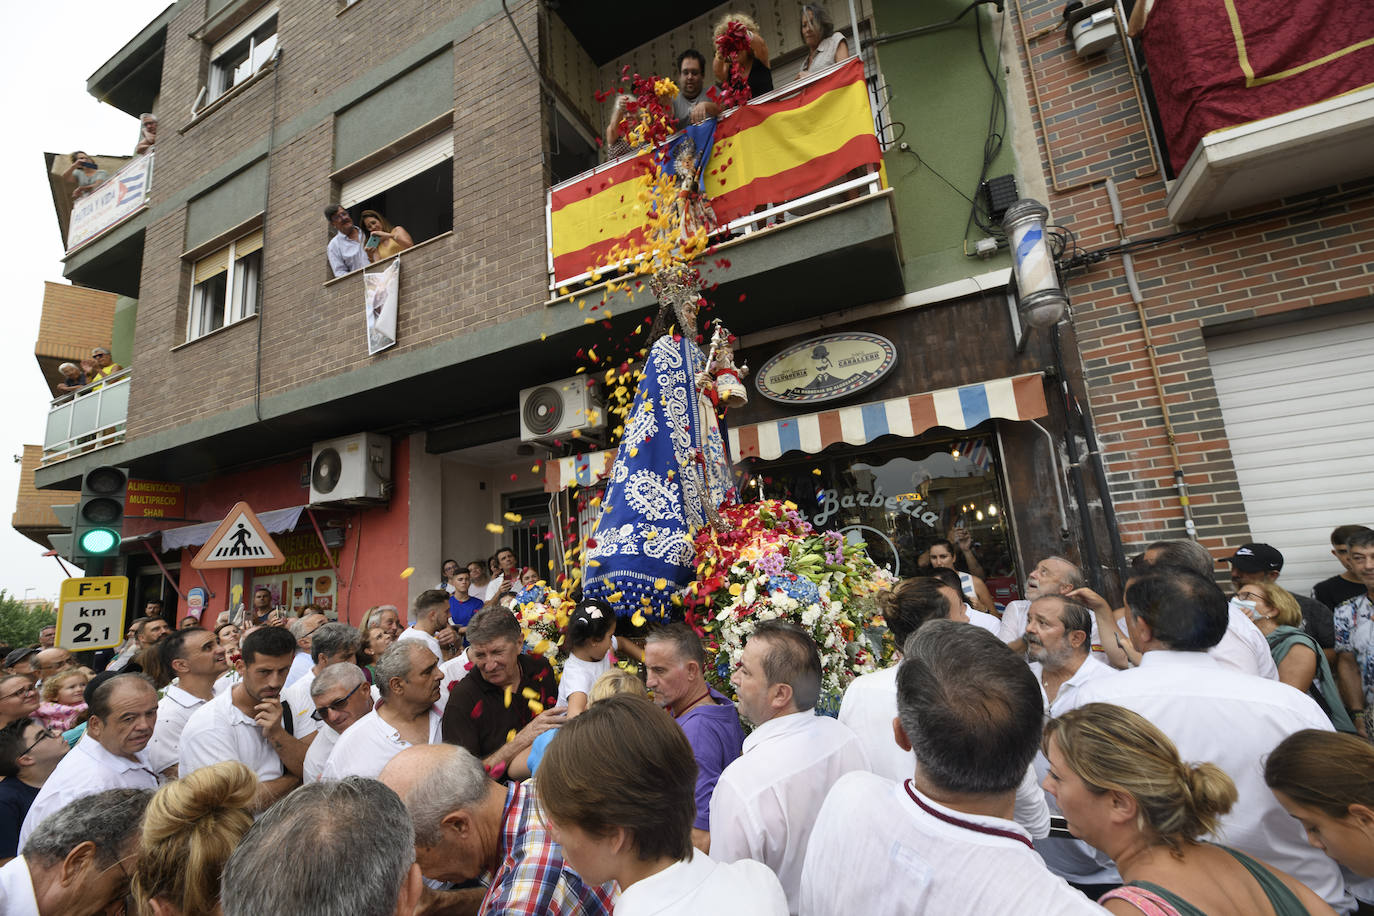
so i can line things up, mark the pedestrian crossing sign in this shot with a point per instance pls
(240, 540)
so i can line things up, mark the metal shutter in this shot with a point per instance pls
(1298, 403)
(407, 165)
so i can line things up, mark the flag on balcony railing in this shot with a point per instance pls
(766, 152)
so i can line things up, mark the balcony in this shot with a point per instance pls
(86, 420)
(1314, 147)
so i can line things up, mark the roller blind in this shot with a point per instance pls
(389, 174)
(212, 265)
(248, 244)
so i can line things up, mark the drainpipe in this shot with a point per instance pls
(1129, 264)
(1091, 561)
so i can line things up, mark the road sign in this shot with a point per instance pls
(240, 540)
(90, 612)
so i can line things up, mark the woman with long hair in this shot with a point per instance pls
(1123, 790)
(383, 239)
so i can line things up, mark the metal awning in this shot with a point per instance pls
(1020, 397)
(275, 521)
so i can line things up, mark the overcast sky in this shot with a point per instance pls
(46, 109)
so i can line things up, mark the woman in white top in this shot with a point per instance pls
(942, 555)
(618, 788)
(825, 46)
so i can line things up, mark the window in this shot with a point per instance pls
(241, 53)
(225, 286)
(413, 190)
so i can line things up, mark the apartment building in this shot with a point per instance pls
(897, 392)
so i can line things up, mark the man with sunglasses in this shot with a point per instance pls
(79, 860)
(331, 644)
(408, 677)
(28, 754)
(339, 697)
(123, 711)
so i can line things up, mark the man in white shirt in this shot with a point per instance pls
(346, 253)
(339, 697)
(1051, 576)
(408, 676)
(509, 580)
(1212, 713)
(943, 841)
(431, 622)
(765, 802)
(1057, 645)
(331, 644)
(79, 859)
(303, 629)
(245, 722)
(123, 711)
(197, 660)
(870, 702)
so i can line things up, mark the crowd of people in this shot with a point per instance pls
(1199, 749)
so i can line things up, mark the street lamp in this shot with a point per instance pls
(1041, 302)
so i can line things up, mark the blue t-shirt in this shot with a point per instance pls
(16, 797)
(460, 612)
(537, 749)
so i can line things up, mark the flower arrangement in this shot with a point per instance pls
(770, 564)
(543, 613)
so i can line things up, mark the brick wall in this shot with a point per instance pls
(73, 321)
(33, 516)
(1097, 130)
(489, 270)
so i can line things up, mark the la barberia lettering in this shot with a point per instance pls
(831, 502)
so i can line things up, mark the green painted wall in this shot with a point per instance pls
(122, 333)
(941, 92)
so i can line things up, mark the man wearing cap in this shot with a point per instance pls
(1256, 564)
(20, 661)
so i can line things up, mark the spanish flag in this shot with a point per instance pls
(764, 152)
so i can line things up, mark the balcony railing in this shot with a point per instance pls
(800, 149)
(119, 198)
(89, 419)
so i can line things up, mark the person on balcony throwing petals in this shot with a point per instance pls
(741, 63)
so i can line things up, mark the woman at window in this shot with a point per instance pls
(384, 239)
(1300, 661)
(1124, 790)
(825, 46)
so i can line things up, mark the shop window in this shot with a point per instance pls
(225, 286)
(236, 57)
(899, 500)
(420, 201)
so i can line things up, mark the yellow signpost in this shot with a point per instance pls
(90, 612)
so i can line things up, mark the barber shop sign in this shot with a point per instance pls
(826, 368)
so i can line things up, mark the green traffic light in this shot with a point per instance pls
(98, 542)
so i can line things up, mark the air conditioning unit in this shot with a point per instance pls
(555, 410)
(351, 469)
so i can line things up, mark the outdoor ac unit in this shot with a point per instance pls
(555, 410)
(350, 469)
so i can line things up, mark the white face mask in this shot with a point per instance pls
(1247, 608)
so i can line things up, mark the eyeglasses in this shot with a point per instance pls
(338, 705)
(23, 691)
(43, 733)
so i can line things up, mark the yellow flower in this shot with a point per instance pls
(494, 528)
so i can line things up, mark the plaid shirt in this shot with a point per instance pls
(531, 879)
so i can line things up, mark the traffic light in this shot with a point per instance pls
(66, 517)
(99, 522)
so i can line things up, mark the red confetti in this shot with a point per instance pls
(476, 707)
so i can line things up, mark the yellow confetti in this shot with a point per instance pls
(593, 562)
(534, 469)
(541, 647)
(536, 707)
(595, 501)
(661, 584)
(816, 471)
(508, 697)
(494, 528)
(530, 693)
(512, 517)
(634, 450)
(637, 619)
(407, 572)
(510, 736)
(613, 597)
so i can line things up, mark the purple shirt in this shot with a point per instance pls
(717, 739)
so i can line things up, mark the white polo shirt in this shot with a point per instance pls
(1244, 648)
(1234, 720)
(219, 731)
(86, 770)
(883, 849)
(701, 885)
(422, 636)
(300, 667)
(454, 670)
(1090, 670)
(766, 800)
(317, 755)
(173, 712)
(868, 708)
(298, 696)
(987, 621)
(370, 743)
(17, 897)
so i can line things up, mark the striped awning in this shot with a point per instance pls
(581, 470)
(1020, 397)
